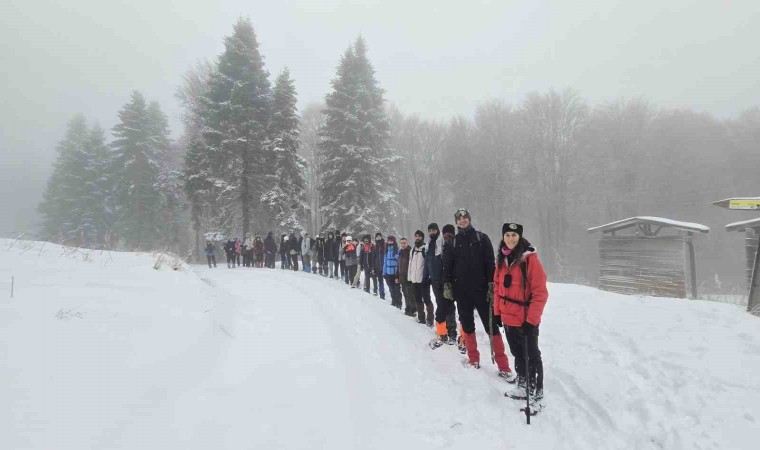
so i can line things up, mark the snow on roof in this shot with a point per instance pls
(743, 225)
(631, 221)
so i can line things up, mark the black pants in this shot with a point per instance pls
(395, 290)
(230, 260)
(342, 266)
(445, 310)
(422, 295)
(270, 260)
(367, 277)
(237, 258)
(211, 259)
(284, 261)
(294, 261)
(410, 303)
(351, 274)
(516, 341)
(468, 302)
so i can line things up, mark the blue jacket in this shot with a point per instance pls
(434, 260)
(390, 264)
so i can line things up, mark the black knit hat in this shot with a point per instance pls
(513, 227)
(449, 228)
(419, 233)
(433, 226)
(378, 234)
(391, 238)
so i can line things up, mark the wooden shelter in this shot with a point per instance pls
(751, 229)
(638, 257)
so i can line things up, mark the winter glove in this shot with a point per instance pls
(497, 320)
(448, 291)
(529, 329)
(490, 293)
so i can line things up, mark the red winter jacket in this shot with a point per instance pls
(511, 313)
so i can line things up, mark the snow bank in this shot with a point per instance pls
(99, 350)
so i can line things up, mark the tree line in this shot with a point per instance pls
(248, 161)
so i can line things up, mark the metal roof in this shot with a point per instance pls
(743, 225)
(659, 221)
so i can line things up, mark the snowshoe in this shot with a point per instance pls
(470, 365)
(536, 404)
(461, 345)
(517, 391)
(452, 340)
(509, 377)
(437, 342)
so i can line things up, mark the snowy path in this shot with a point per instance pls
(101, 351)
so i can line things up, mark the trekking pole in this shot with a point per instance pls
(525, 349)
(527, 377)
(490, 330)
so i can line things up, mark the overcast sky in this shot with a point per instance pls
(435, 58)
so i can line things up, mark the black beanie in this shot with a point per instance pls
(449, 229)
(513, 227)
(419, 233)
(433, 226)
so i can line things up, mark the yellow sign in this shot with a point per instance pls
(744, 203)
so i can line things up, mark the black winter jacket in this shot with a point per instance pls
(468, 262)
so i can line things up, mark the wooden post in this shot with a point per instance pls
(753, 302)
(692, 265)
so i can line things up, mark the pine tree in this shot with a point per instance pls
(235, 117)
(96, 215)
(358, 188)
(287, 195)
(169, 185)
(135, 170)
(59, 203)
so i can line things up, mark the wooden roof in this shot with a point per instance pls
(657, 221)
(741, 226)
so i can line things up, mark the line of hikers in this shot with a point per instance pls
(458, 265)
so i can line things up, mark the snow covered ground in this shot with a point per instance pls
(99, 350)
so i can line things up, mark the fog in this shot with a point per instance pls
(434, 59)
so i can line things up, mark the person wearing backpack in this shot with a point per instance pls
(378, 264)
(294, 248)
(306, 251)
(445, 311)
(468, 271)
(418, 278)
(520, 296)
(210, 254)
(332, 247)
(390, 271)
(402, 279)
(352, 260)
(367, 263)
(284, 246)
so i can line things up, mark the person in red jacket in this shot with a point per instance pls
(520, 295)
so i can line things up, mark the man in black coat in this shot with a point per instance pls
(270, 250)
(379, 262)
(468, 267)
(332, 246)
